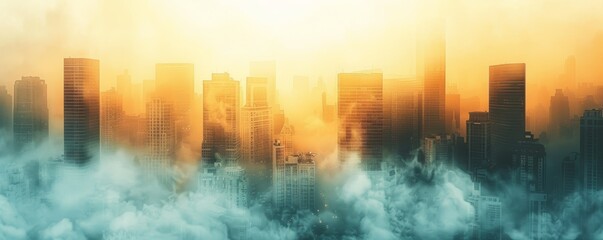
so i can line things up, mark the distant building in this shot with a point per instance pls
(111, 118)
(294, 180)
(591, 152)
(570, 174)
(487, 217)
(360, 114)
(221, 116)
(401, 127)
(30, 111)
(478, 141)
(453, 113)
(266, 70)
(559, 115)
(6, 110)
(536, 209)
(439, 149)
(328, 110)
(431, 71)
(160, 140)
(228, 181)
(256, 136)
(175, 83)
(81, 109)
(529, 164)
(507, 110)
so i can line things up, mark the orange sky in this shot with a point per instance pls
(313, 38)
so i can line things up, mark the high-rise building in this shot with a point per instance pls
(256, 136)
(175, 83)
(160, 140)
(294, 180)
(453, 113)
(478, 141)
(126, 93)
(111, 118)
(529, 163)
(267, 70)
(286, 138)
(440, 149)
(591, 152)
(81, 109)
(431, 71)
(559, 114)
(487, 217)
(400, 117)
(221, 104)
(30, 111)
(360, 115)
(328, 110)
(230, 182)
(6, 110)
(507, 110)
(536, 221)
(570, 174)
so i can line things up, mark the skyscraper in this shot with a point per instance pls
(529, 163)
(400, 117)
(6, 110)
(431, 70)
(507, 110)
(160, 140)
(256, 135)
(81, 109)
(559, 114)
(294, 179)
(478, 141)
(360, 115)
(175, 83)
(30, 111)
(267, 70)
(125, 91)
(221, 102)
(591, 140)
(111, 116)
(453, 113)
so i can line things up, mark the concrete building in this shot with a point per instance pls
(529, 164)
(294, 180)
(112, 114)
(478, 141)
(591, 152)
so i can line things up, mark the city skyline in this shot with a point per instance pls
(301, 120)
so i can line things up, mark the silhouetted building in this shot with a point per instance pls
(126, 93)
(431, 71)
(559, 115)
(529, 163)
(267, 70)
(478, 141)
(570, 175)
(507, 110)
(401, 117)
(453, 113)
(111, 118)
(360, 114)
(221, 115)
(30, 111)
(6, 110)
(81, 110)
(591, 150)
